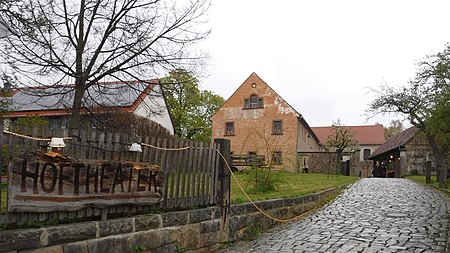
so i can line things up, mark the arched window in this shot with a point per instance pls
(253, 102)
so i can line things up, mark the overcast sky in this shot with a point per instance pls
(322, 56)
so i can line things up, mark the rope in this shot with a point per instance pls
(185, 148)
(30, 137)
(253, 203)
(237, 182)
(167, 149)
(25, 136)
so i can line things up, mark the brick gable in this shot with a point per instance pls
(253, 108)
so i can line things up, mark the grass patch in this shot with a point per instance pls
(421, 180)
(252, 232)
(291, 185)
(226, 245)
(4, 200)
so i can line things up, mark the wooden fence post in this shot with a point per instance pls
(1, 163)
(444, 175)
(223, 193)
(428, 172)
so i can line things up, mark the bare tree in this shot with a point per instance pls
(422, 101)
(262, 140)
(341, 140)
(88, 42)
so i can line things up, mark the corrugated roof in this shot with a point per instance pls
(108, 94)
(396, 141)
(366, 135)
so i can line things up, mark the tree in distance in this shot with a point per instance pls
(341, 140)
(394, 128)
(190, 107)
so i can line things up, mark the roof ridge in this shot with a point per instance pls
(150, 81)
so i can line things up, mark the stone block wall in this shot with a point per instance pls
(320, 162)
(200, 230)
(366, 168)
(326, 162)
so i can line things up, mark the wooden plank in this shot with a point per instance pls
(208, 175)
(216, 172)
(205, 174)
(92, 143)
(173, 163)
(156, 153)
(179, 172)
(165, 167)
(109, 147)
(138, 155)
(84, 145)
(212, 194)
(145, 150)
(188, 175)
(124, 148)
(100, 147)
(149, 152)
(199, 171)
(194, 192)
(204, 162)
(116, 147)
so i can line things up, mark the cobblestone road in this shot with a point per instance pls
(374, 215)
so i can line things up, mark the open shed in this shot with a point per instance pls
(404, 153)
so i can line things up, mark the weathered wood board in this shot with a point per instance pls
(41, 183)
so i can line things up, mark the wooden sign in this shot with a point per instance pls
(41, 183)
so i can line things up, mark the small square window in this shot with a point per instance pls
(260, 103)
(229, 128)
(277, 128)
(246, 103)
(366, 153)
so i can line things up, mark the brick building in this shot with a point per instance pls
(258, 121)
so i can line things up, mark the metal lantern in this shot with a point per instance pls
(135, 147)
(57, 144)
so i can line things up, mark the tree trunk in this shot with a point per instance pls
(75, 119)
(339, 162)
(440, 158)
(444, 175)
(80, 81)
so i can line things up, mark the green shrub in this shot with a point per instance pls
(262, 180)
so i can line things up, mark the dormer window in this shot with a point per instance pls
(253, 102)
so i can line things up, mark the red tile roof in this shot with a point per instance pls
(366, 135)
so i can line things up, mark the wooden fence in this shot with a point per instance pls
(191, 169)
